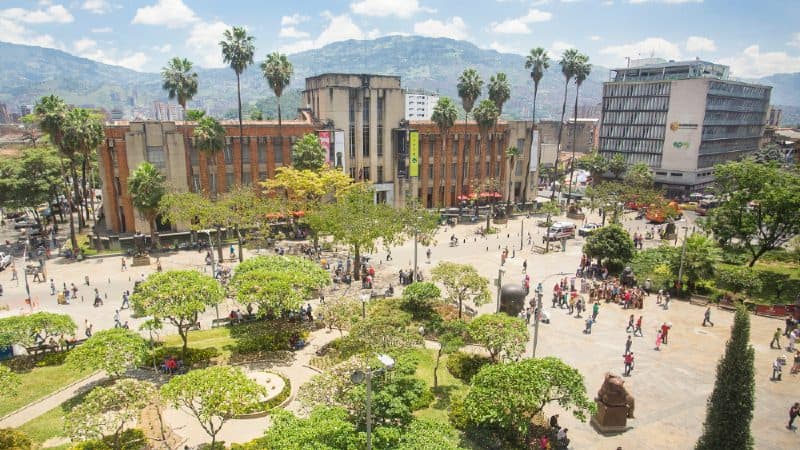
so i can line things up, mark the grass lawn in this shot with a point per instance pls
(38, 383)
(47, 426)
(216, 338)
(449, 386)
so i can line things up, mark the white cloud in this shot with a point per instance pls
(102, 30)
(594, 38)
(88, 48)
(700, 44)
(168, 13)
(340, 28)
(453, 29)
(292, 33)
(519, 25)
(658, 47)
(96, 6)
(795, 42)
(503, 48)
(204, 40)
(753, 63)
(608, 3)
(558, 48)
(383, 8)
(15, 33)
(294, 19)
(166, 48)
(50, 14)
(669, 2)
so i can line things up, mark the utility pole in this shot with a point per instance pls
(683, 255)
(500, 273)
(537, 315)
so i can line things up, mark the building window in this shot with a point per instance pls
(246, 151)
(262, 151)
(455, 148)
(453, 172)
(194, 156)
(229, 180)
(380, 110)
(430, 171)
(488, 169)
(228, 152)
(365, 111)
(352, 141)
(365, 173)
(365, 142)
(277, 148)
(380, 140)
(518, 167)
(352, 106)
(196, 183)
(353, 173)
(262, 176)
(155, 156)
(379, 175)
(246, 179)
(212, 183)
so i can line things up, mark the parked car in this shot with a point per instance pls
(560, 230)
(5, 260)
(588, 229)
(24, 222)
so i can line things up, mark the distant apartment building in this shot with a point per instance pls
(420, 104)
(584, 140)
(775, 117)
(117, 114)
(5, 117)
(681, 118)
(24, 110)
(167, 111)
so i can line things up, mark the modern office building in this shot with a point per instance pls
(420, 104)
(681, 118)
(584, 140)
(775, 117)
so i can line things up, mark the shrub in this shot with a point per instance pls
(265, 336)
(464, 366)
(132, 439)
(14, 440)
(194, 356)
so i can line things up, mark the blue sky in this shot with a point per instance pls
(755, 38)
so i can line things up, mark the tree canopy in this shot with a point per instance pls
(699, 260)
(759, 206)
(610, 245)
(500, 334)
(308, 153)
(462, 282)
(30, 179)
(26, 330)
(146, 187)
(179, 80)
(113, 350)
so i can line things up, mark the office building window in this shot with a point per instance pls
(212, 183)
(518, 168)
(196, 183)
(380, 109)
(365, 175)
(353, 100)
(155, 156)
(262, 151)
(453, 172)
(430, 171)
(380, 140)
(455, 148)
(246, 151)
(246, 179)
(277, 148)
(262, 176)
(229, 180)
(228, 152)
(365, 111)
(353, 173)
(442, 173)
(194, 156)
(379, 174)
(365, 142)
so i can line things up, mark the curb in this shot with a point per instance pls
(36, 402)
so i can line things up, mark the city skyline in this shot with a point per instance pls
(141, 35)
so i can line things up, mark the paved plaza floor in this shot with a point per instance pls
(670, 386)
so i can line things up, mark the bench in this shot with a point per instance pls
(375, 295)
(44, 348)
(726, 304)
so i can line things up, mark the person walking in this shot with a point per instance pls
(638, 328)
(707, 317)
(117, 323)
(628, 359)
(776, 339)
(794, 411)
(124, 264)
(776, 369)
(595, 311)
(628, 344)
(665, 333)
(658, 340)
(52, 287)
(630, 326)
(588, 329)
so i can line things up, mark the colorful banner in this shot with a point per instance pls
(338, 149)
(325, 140)
(413, 142)
(534, 151)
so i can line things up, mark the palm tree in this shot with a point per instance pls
(568, 70)
(486, 115)
(444, 116)
(238, 51)
(82, 133)
(499, 91)
(469, 89)
(180, 81)
(537, 62)
(511, 153)
(278, 72)
(146, 187)
(210, 138)
(582, 71)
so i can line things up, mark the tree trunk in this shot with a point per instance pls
(560, 132)
(510, 171)
(436, 367)
(73, 239)
(241, 132)
(460, 303)
(76, 193)
(83, 190)
(280, 122)
(184, 334)
(154, 240)
(464, 173)
(574, 142)
(357, 263)
(220, 258)
(530, 152)
(240, 241)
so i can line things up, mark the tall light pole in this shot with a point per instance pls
(213, 271)
(359, 377)
(683, 255)
(537, 314)
(416, 232)
(500, 273)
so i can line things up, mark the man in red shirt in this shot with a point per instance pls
(628, 359)
(664, 332)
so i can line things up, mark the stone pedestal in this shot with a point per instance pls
(141, 261)
(610, 419)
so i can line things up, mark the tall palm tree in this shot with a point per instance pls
(81, 134)
(278, 72)
(444, 116)
(209, 137)
(238, 51)
(180, 81)
(567, 64)
(469, 89)
(146, 187)
(499, 91)
(582, 71)
(486, 115)
(511, 153)
(537, 62)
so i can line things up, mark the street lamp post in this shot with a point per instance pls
(213, 270)
(500, 274)
(364, 299)
(359, 377)
(416, 232)
(537, 315)
(683, 255)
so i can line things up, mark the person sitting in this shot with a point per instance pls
(171, 365)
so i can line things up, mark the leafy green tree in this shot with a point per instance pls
(14, 439)
(114, 351)
(194, 115)
(340, 313)
(82, 134)
(610, 245)
(462, 282)
(699, 260)
(178, 297)
(147, 186)
(256, 114)
(238, 51)
(509, 396)
(594, 163)
(278, 283)
(199, 211)
(308, 153)
(499, 91)
(500, 334)
(537, 62)
(759, 208)
(451, 338)
(214, 395)
(569, 62)
(326, 428)
(107, 410)
(617, 165)
(277, 70)
(357, 221)
(730, 407)
(9, 382)
(582, 70)
(241, 208)
(420, 298)
(209, 137)
(770, 153)
(179, 80)
(654, 263)
(380, 333)
(428, 434)
(639, 176)
(40, 326)
(469, 89)
(30, 179)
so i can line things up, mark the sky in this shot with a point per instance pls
(754, 37)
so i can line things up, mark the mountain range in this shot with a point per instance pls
(434, 64)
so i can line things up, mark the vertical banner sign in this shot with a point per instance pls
(325, 140)
(413, 169)
(338, 149)
(400, 141)
(534, 151)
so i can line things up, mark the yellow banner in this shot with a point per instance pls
(413, 142)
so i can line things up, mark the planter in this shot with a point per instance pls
(500, 221)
